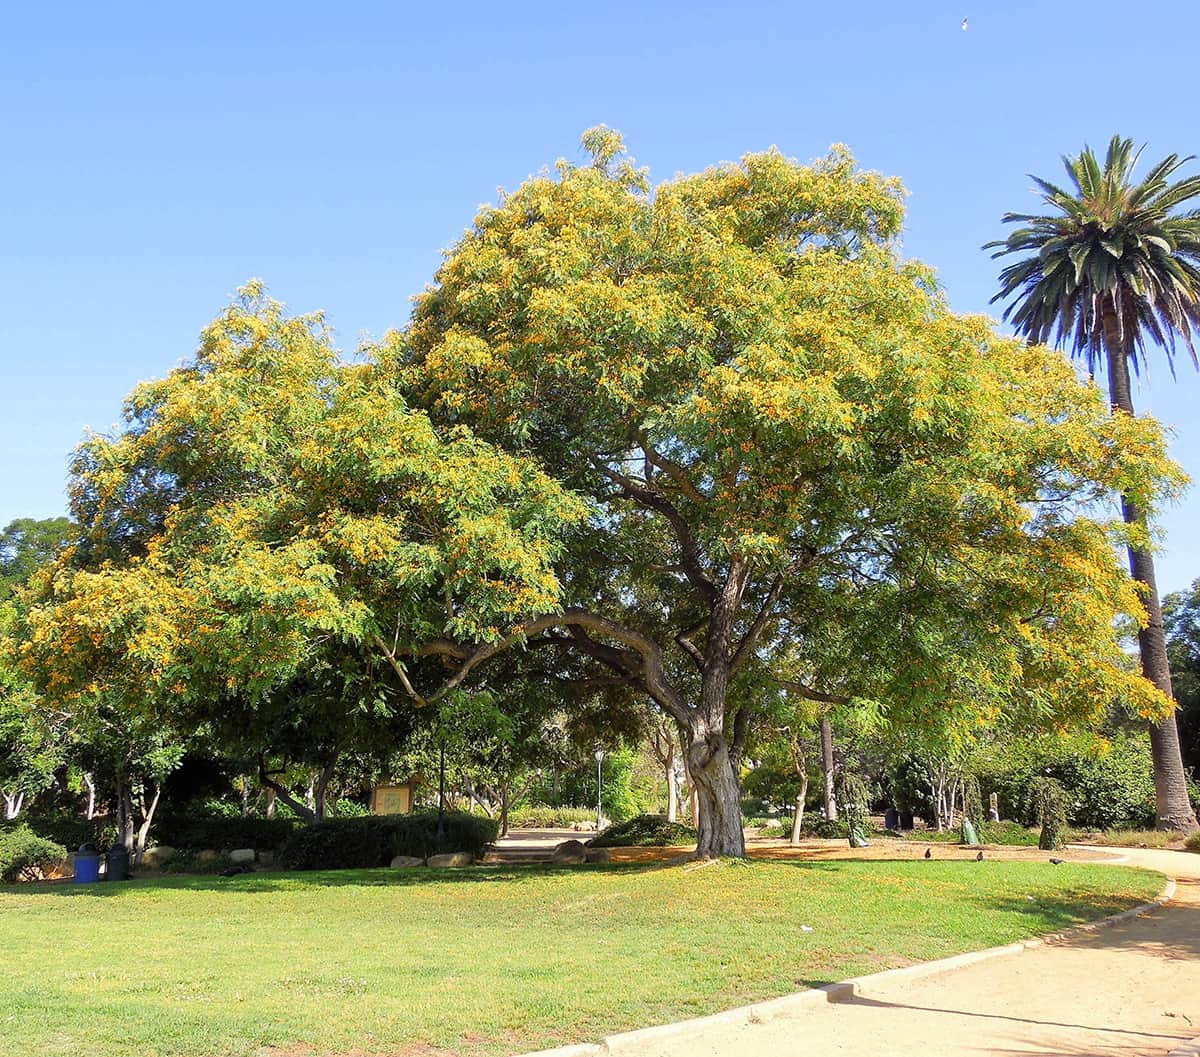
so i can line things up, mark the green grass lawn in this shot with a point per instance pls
(486, 961)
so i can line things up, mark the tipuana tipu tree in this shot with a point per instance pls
(801, 465)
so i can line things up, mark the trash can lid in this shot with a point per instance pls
(87, 848)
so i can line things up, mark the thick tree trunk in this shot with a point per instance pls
(672, 789)
(269, 811)
(801, 765)
(125, 815)
(1172, 806)
(321, 793)
(715, 786)
(828, 768)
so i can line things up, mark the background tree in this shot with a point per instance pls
(1117, 266)
(1181, 616)
(27, 543)
(268, 543)
(782, 431)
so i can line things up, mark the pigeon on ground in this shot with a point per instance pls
(928, 853)
(1056, 862)
(979, 857)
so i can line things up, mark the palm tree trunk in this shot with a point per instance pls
(1172, 806)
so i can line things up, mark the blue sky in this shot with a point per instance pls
(153, 159)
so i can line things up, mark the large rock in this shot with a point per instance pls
(157, 855)
(401, 861)
(241, 856)
(598, 855)
(208, 855)
(453, 858)
(569, 852)
(266, 858)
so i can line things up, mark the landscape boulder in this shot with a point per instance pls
(401, 861)
(598, 855)
(453, 858)
(157, 855)
(241, 856)
(569, 852)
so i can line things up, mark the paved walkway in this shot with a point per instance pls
(1132, 989)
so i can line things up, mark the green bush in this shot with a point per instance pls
(223, 833)
(1193, 842)
(815, 825)
(71, 831)
(24, 856)
(544, 816)
(374, 840)
(645, 831)
(1113, 789)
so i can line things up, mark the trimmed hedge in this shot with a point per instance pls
(645, 831)
(24, 856)
(69, 830)
(374, 840)
(223, 834)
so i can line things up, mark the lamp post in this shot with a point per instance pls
(599, 761)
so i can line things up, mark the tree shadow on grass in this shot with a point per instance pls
(269, 881)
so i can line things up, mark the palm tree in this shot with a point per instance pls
(1115, 267)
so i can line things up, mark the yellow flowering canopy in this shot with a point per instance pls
(804, 466)
(267, 501)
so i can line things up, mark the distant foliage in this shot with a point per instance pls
(1107, 786)
(71, 831)
(545, 816)
(24, 856)
(374, 840)
(645, 831)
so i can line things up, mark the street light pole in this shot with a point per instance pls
(599, 762)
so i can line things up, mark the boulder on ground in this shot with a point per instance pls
(598, 855)
(241, 856)
(266, 858)
(569, 852)
(157, 855)
(401, 861)
(453, 858)
(208, 855)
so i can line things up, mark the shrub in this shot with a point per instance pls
(1193, 842)
(188, 860)
(374, 840)
(71, 831)
(543, 816)
(816, 825)
(24, 856)
(223, 833)
(645, 831)
(1104, 789)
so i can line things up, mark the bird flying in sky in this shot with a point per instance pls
(964, 25)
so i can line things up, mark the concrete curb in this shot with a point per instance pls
(761, 1012)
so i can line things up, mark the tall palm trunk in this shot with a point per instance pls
(1172, 806)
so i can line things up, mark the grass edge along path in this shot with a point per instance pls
(482, 962)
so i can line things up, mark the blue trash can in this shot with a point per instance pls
(87, 865)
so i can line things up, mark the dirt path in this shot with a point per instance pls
(1133, 989)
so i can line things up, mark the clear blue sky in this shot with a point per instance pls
(154, 158)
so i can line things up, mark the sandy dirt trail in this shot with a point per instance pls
(1132, 989)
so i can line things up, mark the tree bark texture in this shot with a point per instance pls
(828, 769)
(1172, 806)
